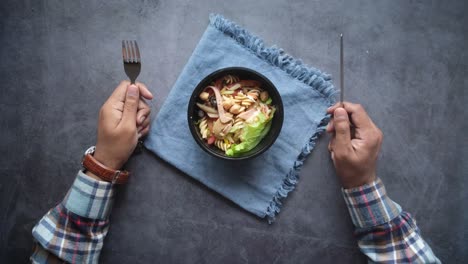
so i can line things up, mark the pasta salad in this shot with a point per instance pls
(234, 114)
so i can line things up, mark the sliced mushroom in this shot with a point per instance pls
(219, 101)
(226, 129)
(212, 115)
(234, 87)
(219, 128)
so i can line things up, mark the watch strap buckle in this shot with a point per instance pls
(116, 176)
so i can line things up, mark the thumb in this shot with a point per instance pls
(342, 131)
(130, 105)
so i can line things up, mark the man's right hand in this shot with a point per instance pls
(354, 154)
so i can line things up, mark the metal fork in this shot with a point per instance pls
(131, 59)
(132, 66)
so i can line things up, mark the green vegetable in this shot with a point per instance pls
(252, 135)
(235, 128)
(268, 101)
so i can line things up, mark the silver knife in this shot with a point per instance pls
(341, 70)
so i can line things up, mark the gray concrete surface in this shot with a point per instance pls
(406, 62)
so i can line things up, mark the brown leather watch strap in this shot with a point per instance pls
(104, 172)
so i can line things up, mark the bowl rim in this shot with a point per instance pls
(278, 114)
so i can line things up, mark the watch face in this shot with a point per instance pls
(90, 150)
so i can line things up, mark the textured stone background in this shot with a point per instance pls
(406, 62)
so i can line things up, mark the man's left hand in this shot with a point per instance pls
(123, 119)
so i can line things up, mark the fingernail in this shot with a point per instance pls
(132, 90)
(139, 135)
(340, 113)
(142, 119)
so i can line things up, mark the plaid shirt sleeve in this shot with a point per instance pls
(75, 229)
(385, 233)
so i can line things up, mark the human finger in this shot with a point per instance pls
(143, 132)
(344, 105)
(144, 91)
(142, 127)
(130, 106)
(359, 116)
(142, 104)
(330, 127)
(144, 124)
(142, 115)
(342, 139)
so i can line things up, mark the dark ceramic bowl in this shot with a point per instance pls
(243, 73)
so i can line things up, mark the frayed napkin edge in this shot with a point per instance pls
(313, 77)
(275, 56)
(291, 179)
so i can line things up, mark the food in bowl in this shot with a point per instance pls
(234, 114)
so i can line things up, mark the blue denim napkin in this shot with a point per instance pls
(257, 185)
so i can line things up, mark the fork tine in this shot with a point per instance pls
(131, 59)
(130, 44)
(137, 50)
(129, 54)
(135, 56)
(124, 52)
(131, 51)
(127, 49)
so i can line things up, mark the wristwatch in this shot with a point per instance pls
(102, 171)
